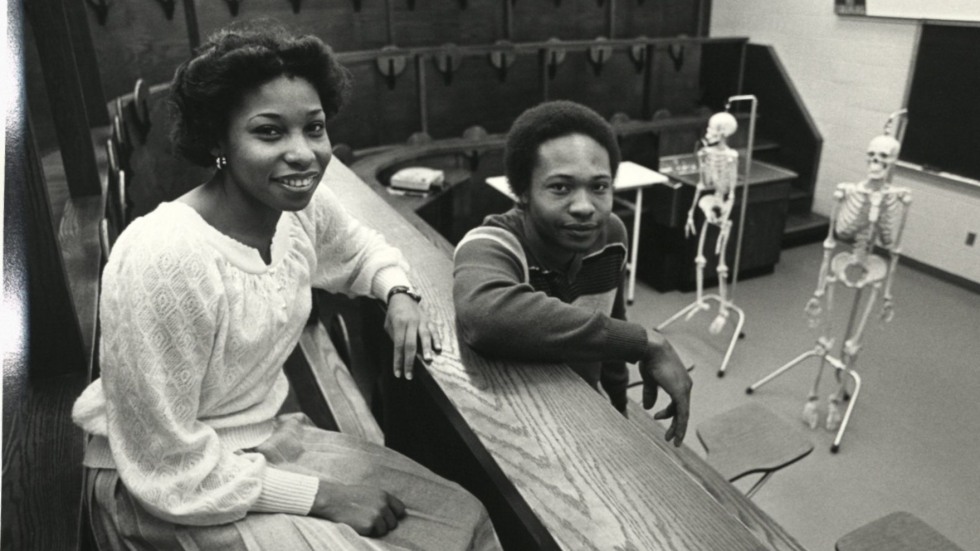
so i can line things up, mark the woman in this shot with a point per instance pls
(204, 298)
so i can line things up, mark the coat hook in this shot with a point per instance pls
(553, 56)
(638, 53)
(598, 54)
(676, 53)
(447, 61)
(391, 65)
(101, 8)
(168, 8)
(502, 59)
(233, 6)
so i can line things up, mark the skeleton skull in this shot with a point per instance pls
(882, 153)
(720, 126)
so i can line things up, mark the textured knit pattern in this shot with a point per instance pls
(195, 330)
(511, 306)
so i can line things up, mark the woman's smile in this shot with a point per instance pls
(298, 182)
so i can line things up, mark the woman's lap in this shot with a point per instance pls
(441, 515)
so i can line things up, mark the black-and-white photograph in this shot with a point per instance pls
(680, 275)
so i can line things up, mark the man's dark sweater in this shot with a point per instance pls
(510, 306)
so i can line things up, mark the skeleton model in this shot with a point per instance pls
(718, 165)
(715, 196)
(867, 214)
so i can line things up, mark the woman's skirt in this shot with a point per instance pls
(441, 515)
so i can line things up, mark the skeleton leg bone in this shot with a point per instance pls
(849, 355)
(719, 322)
(700, 261)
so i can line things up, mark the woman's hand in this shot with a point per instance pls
(407, 324)
(369, 511)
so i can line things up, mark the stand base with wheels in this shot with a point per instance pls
(820, 352)
(697, 306)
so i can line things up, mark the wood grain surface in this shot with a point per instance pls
(594, 479)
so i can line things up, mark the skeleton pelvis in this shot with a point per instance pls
(715, 209)
(855, 271)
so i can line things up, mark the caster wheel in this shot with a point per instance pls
(749, 390)
(834, 448)
(721, 374)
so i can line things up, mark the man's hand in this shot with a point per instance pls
(661, 367)
(406, 324)
(369, 511)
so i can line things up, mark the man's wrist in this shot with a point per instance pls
(656, 342)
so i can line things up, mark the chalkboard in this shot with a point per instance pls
(943, 131)
(941, 10)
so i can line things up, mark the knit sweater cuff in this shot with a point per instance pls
(386, 278)
(625, 341)
(286, 492)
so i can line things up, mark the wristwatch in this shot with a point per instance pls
(405, 290)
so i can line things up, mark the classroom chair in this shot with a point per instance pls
(751, 439)
(899, 531)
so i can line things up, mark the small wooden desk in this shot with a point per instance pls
(630, 176)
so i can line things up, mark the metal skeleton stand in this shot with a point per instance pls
(871, 213)
(725, 300)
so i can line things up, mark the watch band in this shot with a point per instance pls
(402, 289)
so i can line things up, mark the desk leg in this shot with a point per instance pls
(635, 245)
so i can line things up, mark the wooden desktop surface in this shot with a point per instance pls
(593, 479)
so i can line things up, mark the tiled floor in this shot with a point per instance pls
(913, 441)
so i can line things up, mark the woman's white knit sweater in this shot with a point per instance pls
(195, 331)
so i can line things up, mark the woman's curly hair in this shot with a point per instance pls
(234, 61)
(547, 121)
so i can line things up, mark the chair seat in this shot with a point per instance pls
(751, 439)
(900, 531)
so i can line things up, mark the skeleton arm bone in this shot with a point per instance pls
(888, 307)
(689, 227)
(813, 307)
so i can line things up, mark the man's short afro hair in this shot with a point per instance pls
(547, 121)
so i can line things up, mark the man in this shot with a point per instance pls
(544, 281)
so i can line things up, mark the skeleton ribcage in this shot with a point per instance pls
(719, 169)
(853, 219)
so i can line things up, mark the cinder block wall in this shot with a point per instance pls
(852, 73)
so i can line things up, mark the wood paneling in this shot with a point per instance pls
(434, 22)
(137, 41)
(537, 20)
(616, 88)
(336, 22)
(477, 96)
(378, 114)
(656, 18)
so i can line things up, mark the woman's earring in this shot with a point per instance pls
(221, 162)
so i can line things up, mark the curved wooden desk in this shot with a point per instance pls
(559, 465)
